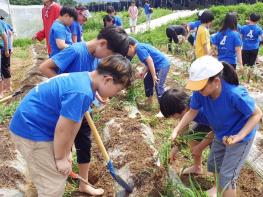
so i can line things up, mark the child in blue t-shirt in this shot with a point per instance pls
(148, 13)
(48, 119)
(117, 19)
(81, 57)
(175, 103)
(228, 42)
(230, 111)
(60, 34)
(6, 60)
(157, 68)
(251, 34)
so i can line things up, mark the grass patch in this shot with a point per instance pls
(23, 43)
(7, 111)
(95, 24)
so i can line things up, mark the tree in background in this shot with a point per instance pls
(26, 2)
(68, 2)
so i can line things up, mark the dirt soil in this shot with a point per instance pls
(9, 177)
(148, 178)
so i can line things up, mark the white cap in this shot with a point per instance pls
(201, 70)
(86, 14)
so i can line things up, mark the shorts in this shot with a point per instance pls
(133, 22)
(41, 164)
(83, 143)
(249, 57)
(201, 128)
(227, 161)
(5, 66)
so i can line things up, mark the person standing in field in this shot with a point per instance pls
(148, 13)
(228, 42)
(3, 37)
(60, 34)
(133, 14)
(5, 60)
(117, 19)
(77, 26)
(50, 12)
(251, 34)
(202, 45)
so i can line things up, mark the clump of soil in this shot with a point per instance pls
(9, 177)
(7, 148)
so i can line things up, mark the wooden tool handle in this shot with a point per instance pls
(6, 99)
(97, 137)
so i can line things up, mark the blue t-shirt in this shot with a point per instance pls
(250, 36)
(228, 113)
(117, 21)
(144, 51)
(59, 31)
(76, 30)
(75, 58)
(7, 29)
(226, 43)
(67, 95)
(147, 8)
(194, 25)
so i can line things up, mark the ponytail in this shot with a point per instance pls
(228, 74)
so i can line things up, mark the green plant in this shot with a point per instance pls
(24, 43)
(7, 111)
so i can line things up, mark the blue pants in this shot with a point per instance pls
(148, 82)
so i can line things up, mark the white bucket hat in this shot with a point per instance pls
(201, 70)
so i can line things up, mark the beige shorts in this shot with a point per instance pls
(133, 22)
(41, 166)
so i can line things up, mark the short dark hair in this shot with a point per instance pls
(70, 11)
(132, 2)
(110, 9)
(118, 67)
(207, 17)
(254, 17)
(173, 101)
(106, 19)
(117, 38)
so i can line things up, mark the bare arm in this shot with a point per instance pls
(48, 68)
(61, 44)
(239, 57)
(150, 64)
(65, 133)
(74, 38)
(248, 127)
(187, 118)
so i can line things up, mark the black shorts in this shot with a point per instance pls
(172, 36)
(249, 57)
(201, 128)
(5, 66)
(83, 143)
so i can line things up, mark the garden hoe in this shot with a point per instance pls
(110, 166)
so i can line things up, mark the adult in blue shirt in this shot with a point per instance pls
(60, 34)
(48, 119)
(250, 36)
(228, 42)
(117, 19)
(230, 111)
(81, 57)
(157, 68)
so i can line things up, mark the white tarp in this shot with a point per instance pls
(26, 20)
